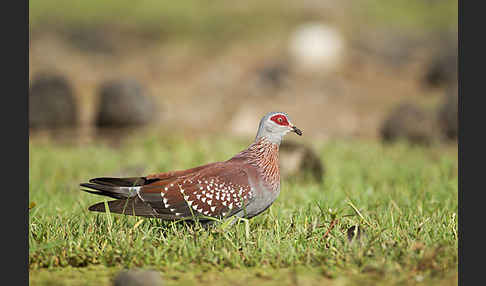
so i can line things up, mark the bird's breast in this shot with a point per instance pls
(269, 168)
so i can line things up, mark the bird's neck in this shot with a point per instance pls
(263, 154)
(269, 135)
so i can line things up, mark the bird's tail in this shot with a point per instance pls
(125, 190)
(118, 188)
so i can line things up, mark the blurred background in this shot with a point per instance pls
(123, 88)
(368, 69)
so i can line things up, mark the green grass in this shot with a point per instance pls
(404, 197)
(220, 20)
(418, 15)
(204, 21)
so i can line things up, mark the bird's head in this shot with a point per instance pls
(274, 126)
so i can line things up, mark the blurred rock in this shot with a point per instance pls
(273, 75)
(124, 103)
(93, 40)
(269, 79)
(138, 278)
(442, 68)
(354, 232)
(297, 160)
(51, 102)
(316, 47)
(447, 115)
(409, 122)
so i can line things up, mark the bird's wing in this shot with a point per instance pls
(176, 174)
(220, 190)
(141, 181)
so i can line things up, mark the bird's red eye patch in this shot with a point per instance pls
(280, 119)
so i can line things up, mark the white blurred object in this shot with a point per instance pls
(316, 47)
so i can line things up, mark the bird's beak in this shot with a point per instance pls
(296, 130)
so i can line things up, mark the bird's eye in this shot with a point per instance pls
(279, 119)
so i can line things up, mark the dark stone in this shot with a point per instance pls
(447, 115)
(138, 278)
(93, 40)
(123, 103)
(51, 102)
(355, 233)
(298, 160)
(273, 75)
(409, 122)
(442, 68)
